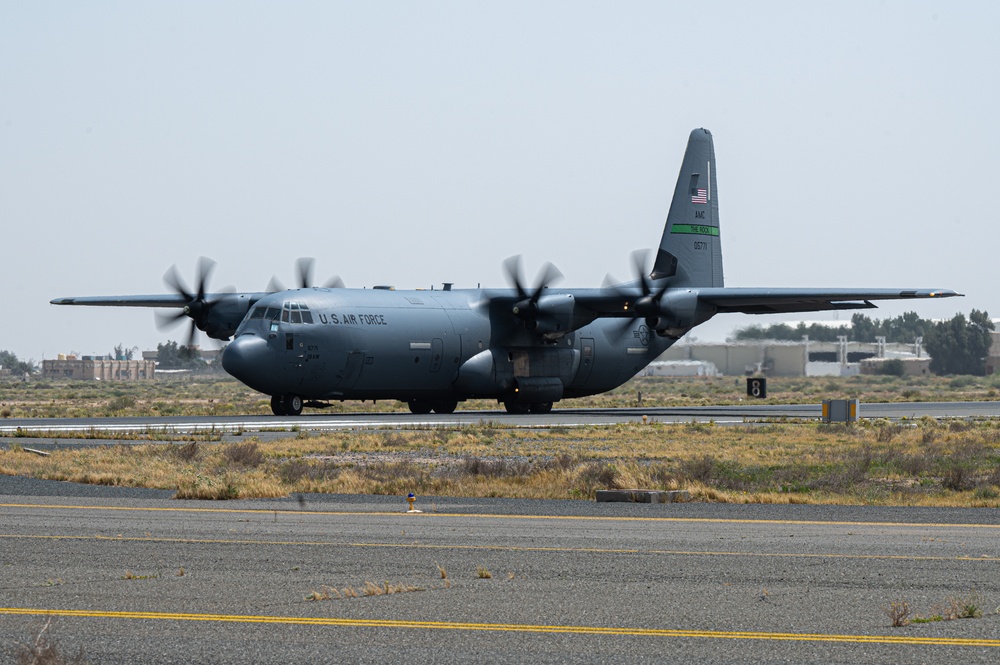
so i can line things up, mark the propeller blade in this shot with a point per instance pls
(205, 268)
(274, 285)
(305, 267)
(513, 272)
(192, 333)
(639, 258)
(546, 276)
(174, 281)
(165, 321)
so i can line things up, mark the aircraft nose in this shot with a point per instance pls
(246, 358)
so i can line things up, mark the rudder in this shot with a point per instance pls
(690, 253)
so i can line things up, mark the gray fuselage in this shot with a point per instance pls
(423, 345)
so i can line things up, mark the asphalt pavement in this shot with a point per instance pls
(130, 576)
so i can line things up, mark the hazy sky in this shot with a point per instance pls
(413, 143)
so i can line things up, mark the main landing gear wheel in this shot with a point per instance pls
(517, 408)
(444, 407)
(541, 407)
(419, 406)
(277, 407)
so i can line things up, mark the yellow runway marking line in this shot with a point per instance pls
(427, 515)
(495, 548)
(510, 627)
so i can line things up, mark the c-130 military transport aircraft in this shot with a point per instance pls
(525, 347)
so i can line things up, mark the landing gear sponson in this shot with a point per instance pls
(291, 405)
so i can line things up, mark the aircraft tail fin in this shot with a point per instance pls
(690, 253)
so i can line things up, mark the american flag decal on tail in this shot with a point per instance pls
(699, 196)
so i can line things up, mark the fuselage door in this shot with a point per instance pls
(586, 360)
(437, 353)
(352, 370)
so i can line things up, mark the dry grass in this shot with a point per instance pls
(917, 463)
(43, 651)
(221, 395)
(369, 588)
(129, 575)
(898, 612)
(968, 606)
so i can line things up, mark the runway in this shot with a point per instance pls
(133, 576)
(139, 580)
(318, 421)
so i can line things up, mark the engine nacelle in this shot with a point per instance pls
(553, 316)
(679, 312)
(220, 319)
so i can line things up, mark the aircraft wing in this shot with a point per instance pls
(175, 300)
(216, 314)
(775, 301)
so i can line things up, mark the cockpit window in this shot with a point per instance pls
(290, 312)
(295, 312)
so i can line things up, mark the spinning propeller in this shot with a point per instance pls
(648, 305)
(304, 267)
(198, 305)
(526, 308)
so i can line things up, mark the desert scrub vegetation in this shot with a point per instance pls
(924, 462)
(219, 395)
(965, 606)
(43, 650)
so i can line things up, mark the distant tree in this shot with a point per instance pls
(172, 356)
(817, 332)
(16, 366)
(122, 352)
(906, 328)
(900, 330)
(891, 367)
(960, 346)
(863, 329)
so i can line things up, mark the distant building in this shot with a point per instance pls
(805, 358)
(680, 368)
(210, 356)
(97, 368)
